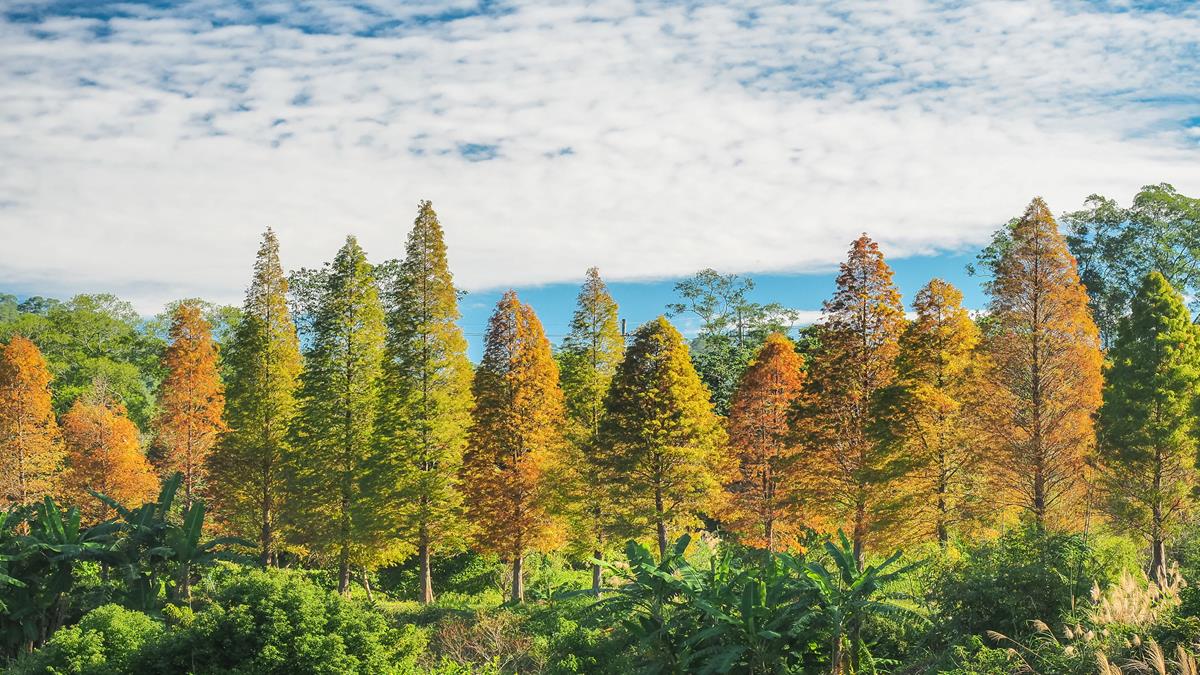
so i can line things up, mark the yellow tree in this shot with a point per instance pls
(191, 401)
(928, 414)
(104, 455)
(766, 494)
(856, 476)
(1043, 383)
(516, 437)
(661, 445)
(30, 446)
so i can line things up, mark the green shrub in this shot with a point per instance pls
(107, 641)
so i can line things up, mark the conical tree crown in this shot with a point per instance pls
(104, 455)
(517, 433)
(590, 353)
(31, 449)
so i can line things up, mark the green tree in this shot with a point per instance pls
(1117, 247)
(732, 328)
(588, 360)
(1148, 422)
(336, 490)
(263, 365)
(661, 445)
(426, 398)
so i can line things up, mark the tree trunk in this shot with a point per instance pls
(660, 517)
(266, 537)
(426, 571)
(1158, 562)
(518, 580)
(597, 573)
(366, 577)
(770, 535)
(344, 572)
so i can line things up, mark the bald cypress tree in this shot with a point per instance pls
(1043, 383)
(1148, 422)
(426, 396)
(263, 362)
(661, 445)
(31, 448)
(859, 341)
(516, 438)
(337, 491)
(588, 359)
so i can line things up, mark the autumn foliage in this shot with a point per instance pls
(768, 491)
(104, 455)
(1043, 382)
(191, 401)
(30, 447)
(517, 435)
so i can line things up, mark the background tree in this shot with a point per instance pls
(1117, 247)
(1043, 383)
(732, 328)
(859, 341)
(927, 415)
(516, 437)
(661, 445)
(337, 483)
(31, 450)
(104, 455)
(263, 365)
(767, 490)
(588, 359)
(1148, 423)
(426, 396)
(191, 402)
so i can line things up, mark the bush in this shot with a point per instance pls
(106, 641)
(1026, 574)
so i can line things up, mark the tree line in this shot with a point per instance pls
(337, 421)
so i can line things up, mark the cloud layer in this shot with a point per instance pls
(146, 145)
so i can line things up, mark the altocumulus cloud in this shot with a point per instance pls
(145, 145)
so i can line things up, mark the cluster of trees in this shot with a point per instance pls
(336, 419)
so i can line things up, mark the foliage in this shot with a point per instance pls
(31, 450)
(263, 363)
(336, 481)
(588, 360)
(517, 435)
(1043, 381)
(426, 396)
(104, 455)
(661, 445)
(859, 340)
(1148, 431)
(765, 496)
(107, 641)
(732, 328)
(191, 402)
(1117, 247)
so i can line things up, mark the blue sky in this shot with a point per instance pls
(146, 145)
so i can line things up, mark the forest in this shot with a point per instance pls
(323, 481)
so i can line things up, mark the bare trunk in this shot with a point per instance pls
(366, 577)
(597, 573)
(344, 571)
(660, 518)
(518, 580)
(426, 573)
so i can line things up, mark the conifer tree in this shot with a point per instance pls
(661, 445)
(928, 413)
(1148, 422)
(859, 341)
(426, 396)
(516, 437)
(767, 490)
(104, 455)
(588, 359)
(191, 402)
(1043, 383)
(263, 362)
(337, 491)
(31, 449)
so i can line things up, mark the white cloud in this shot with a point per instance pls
(145, 153)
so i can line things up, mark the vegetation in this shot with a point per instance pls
(1012, 491)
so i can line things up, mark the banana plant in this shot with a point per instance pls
(189, 553)
(847, 595)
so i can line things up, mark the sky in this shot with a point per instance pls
(145, 145)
